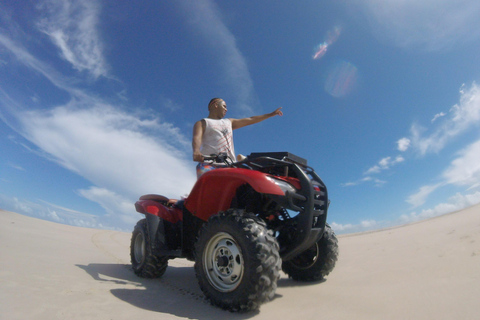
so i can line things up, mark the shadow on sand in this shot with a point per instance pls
(176, 293)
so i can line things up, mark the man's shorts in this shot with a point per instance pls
(203, 167)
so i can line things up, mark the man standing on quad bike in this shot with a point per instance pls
(214, 134)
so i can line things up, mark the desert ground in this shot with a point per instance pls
(426, 270)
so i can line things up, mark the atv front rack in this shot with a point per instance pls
(310, 201)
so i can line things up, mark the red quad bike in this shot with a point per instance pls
(239, 223)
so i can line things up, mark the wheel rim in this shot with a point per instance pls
(223, 262)
(139, 248)
(307, 258)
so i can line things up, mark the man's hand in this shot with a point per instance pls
(198, 156)
(277, 112)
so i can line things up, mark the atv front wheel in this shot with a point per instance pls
(144, 263)
(317, 261)
(237, 262)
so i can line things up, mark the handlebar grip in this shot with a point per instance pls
(220, 158)
(210, 157)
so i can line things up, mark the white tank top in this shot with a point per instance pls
(218, 137)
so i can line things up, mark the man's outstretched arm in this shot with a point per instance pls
(239, 123)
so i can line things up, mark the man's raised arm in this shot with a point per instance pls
(239, 123)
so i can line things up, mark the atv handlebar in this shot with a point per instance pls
(219, 158)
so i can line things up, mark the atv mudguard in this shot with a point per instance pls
(156, 212)
(215, 190)
(170, 214)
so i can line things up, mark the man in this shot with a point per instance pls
(214, 134)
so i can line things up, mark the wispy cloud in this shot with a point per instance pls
(427, 24)
(455, 203)
(385, 164)
(48, 211)
(438, 115)
(403, 144)
(365, 225)
(72, 27)
(112, 148)
(122, 155)
(444, 129)
(461, 117)
(116, 206)
(463, 171)
(16, 166)
(207, 20)
(382, 165)
(376, 181)
(122, 152)
(23, 56)
(420, 197)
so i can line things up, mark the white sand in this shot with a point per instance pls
(427, 270)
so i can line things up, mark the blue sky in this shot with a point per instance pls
(98, 100)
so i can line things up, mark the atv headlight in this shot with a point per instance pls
(285, 186)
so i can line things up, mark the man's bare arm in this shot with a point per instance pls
(198, 130)
(239, 123)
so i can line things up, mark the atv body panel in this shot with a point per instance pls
(215, 190)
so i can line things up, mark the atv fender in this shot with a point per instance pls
(171, 214)
(156, 213)
(215, 190)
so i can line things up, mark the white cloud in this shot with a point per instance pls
(403, 144)
(455, 203)
(376, 181)
(16, 166)
(368, 224)
(426, 24)
(169, 104)
(420, 197)
(365, 225)
(207, 20)
(465, 170)
(72, 27)
(48, 211)
(113, 149)
(24, 57)
(374, 169)
(116, 206)
(342, 228)
(385, 164)
(122, 153)
(438, 115)
(463, 116)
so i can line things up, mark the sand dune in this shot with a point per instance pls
(427, 270)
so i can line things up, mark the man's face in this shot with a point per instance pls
(222, 108)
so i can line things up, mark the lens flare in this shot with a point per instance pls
(341, 79)
(320, 51)
(330, 38)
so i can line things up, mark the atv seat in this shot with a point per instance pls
(154, 197)
(164, 200)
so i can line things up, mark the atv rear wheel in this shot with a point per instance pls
(237, 262)
(144, 263)
(317, 261)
